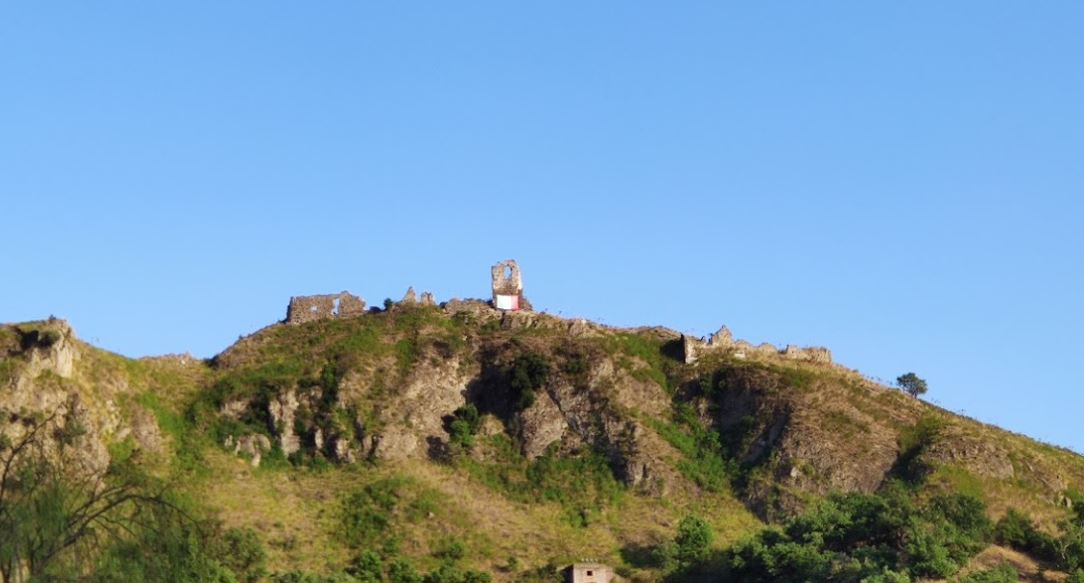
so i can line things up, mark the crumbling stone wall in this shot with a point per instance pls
(309, 308)
(693, 348)
(690, 348)
(508, 286)
(811, 354)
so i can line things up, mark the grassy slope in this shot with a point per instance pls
(296, 510)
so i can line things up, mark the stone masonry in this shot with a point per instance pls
(321, 307)
(508, 286)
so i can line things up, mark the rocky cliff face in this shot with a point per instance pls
(385, 388)
(42, 378)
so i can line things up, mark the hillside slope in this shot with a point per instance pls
(517, 440)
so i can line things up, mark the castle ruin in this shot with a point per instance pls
(723, 341)
(321, 307)
(508, 287)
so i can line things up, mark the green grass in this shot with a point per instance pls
(647, 350)
(583, 484)
(705, 462)
(9, 368)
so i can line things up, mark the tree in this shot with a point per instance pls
(693, 540)
(912, 384)
(62, 521)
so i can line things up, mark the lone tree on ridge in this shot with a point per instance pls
(913, 384)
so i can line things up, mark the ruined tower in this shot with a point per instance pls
(508, 287)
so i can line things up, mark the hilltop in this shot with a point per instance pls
(510, 440)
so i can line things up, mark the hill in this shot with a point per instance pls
(507, 443)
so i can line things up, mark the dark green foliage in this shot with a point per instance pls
(1067, 550)
(913, 441)
(693, 540)
(367, 568)
(450, 550)
(528, 373)
(466, 421)
(448, 573)
(953, 528)
(121, 526)
(1070, 546)
(912, 384)
(243, 553)
(706, 462)
(403, 572)
(852, 537)
(1017, 531)
(366, 513)
(167, 549)
(1002, 574)
(303, 577)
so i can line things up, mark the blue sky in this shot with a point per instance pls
(901, 182)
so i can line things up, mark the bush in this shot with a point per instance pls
(451, 550)
(242, 551)
(465, 424)
(693, 540)
(864, 537)
(403, 572)
(367, 512)
(367, 568)
(527, 374)
(1017, 531)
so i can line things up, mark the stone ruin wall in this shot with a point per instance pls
(322, 307)
(692, 347)
(510, 285)
(507, 281)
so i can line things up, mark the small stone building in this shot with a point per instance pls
(588, 573)
(508, 287)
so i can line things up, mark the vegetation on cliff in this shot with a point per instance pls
(419, 443)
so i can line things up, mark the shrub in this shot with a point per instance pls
(864, 537)
(526, 375)
(367, 512)
(367, 568)
(1017, 531)
(451, 550)
(243, 553)
(693, 540)
(403, 572)
(465, 424)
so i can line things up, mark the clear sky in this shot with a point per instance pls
(900, 182)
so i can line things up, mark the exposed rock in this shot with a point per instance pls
(427, 299)
(145, 430)
(251, 446)
(541, 425)
(234, 408)
(342, 450)
(980, 457)
(395, 444)
(51, 348)
(409, 298)
(580, 328)
(282, 409)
